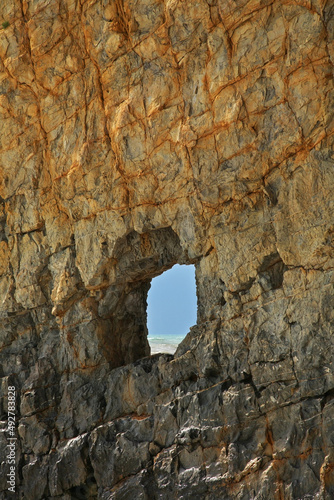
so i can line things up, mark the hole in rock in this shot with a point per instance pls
(172, 308)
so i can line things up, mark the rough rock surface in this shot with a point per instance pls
(140, 134)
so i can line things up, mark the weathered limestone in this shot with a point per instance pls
(137, 135)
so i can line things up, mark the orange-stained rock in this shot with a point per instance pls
(135, 135)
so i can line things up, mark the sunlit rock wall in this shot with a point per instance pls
(140, 134)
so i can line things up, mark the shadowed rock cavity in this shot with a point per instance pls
(136, 259)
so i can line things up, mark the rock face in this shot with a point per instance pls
(140, 134)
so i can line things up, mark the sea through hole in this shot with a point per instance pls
(172, 308)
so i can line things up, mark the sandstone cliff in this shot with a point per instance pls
(140, 134)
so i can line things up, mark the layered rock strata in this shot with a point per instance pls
(140, 134)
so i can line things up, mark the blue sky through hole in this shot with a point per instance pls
(172, 303)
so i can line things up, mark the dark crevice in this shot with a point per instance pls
(274, 267)
(248, 379)
(327, 397)
(226, 384)
(211, 249)
(245, 286)
(88, 490)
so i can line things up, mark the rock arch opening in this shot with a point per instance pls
(171, 308)
(135, 260)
